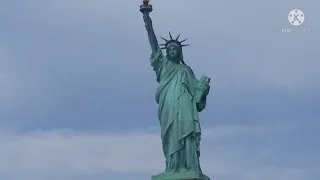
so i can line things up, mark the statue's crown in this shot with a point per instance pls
(173, 41)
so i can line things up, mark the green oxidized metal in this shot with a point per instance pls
(180, 97)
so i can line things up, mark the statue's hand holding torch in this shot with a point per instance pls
(146, 8)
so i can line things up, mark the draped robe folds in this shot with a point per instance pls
(178, 114)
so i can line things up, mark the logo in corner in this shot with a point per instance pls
(296, 17)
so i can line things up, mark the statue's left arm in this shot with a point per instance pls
(199, 89)
(201, 93)
(202, 104)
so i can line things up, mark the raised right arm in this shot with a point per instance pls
(156, 59)
(151, 35)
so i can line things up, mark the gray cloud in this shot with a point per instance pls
(66, 153)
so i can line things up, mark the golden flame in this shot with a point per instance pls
(146, 1)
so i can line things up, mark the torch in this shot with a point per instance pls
(146, 7)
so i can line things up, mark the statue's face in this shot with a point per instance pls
(173, 51)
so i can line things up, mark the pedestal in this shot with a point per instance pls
(189, 175)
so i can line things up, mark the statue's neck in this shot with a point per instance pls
(175, 60)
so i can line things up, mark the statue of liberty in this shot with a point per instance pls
(180, 96)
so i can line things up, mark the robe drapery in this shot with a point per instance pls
(177, 113)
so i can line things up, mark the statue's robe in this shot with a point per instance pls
(178, 113)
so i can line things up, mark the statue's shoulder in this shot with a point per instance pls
(187, 67)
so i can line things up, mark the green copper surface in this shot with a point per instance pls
(180, 97)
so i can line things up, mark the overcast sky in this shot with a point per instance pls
(77, 90)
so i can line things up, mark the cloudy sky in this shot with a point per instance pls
(77, 90)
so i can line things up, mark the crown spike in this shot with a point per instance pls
(183, 40)
(164, 39)
(178, 37)
(170, 36)
(185, 45)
